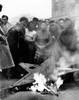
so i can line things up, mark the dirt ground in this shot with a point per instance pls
(69, 94)
(70, 91)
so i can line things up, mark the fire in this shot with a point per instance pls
(59, 82)
(40, 84)
(64, 64)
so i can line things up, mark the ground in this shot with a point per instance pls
(70, 91)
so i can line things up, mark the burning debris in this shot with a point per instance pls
(59, 82)
(42, 84)
(39, 83)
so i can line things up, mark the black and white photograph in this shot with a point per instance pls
(39, 49)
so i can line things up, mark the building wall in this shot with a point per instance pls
(63, 8)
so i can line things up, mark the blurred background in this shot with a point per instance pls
(15, 8)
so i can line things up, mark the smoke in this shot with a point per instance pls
(40, 82)
(69, 41)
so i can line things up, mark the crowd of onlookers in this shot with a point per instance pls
(32, 41)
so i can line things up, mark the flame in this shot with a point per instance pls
(59, 82)
(39, 78)
(40, 84)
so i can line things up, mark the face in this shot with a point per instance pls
(54, 30)
(53, 26)
(31, 26)
(24, 23)
(43, 26)
(61, 24)
(4, 20)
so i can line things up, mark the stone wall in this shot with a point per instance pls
(65, 8)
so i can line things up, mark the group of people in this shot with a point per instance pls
(37, 40)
